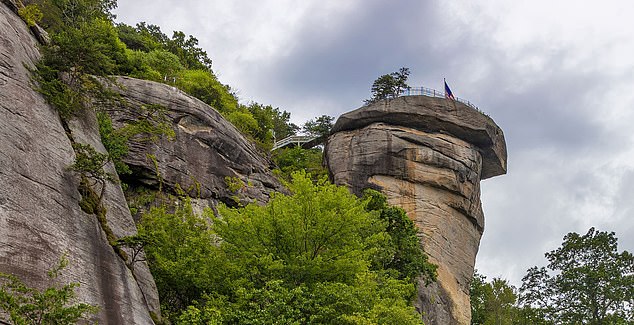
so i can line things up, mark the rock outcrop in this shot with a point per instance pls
(40, 216)
(428, 156)
(206, 151)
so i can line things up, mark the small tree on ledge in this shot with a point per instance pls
(389, 85)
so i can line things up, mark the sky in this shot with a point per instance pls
(556, 76)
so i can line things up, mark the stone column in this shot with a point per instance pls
(427, 155)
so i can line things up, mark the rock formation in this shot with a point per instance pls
(428, 156)
(40, 216)
(206, 150)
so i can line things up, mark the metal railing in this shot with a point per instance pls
(294, 139)
(424, 91)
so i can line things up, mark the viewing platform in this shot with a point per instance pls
(303, 141)
(424, 91)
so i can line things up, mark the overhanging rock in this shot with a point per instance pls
(428, 156)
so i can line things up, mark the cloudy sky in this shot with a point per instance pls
(557, 76)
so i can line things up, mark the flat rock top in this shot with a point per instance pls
(440, 115)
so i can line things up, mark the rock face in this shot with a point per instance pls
(40, 216)
(428, 156)
(206, 151)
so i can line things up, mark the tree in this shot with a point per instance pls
(389, 85)
(319, 244)
(90, 163)
(294, 159)
(477, 297)
(184, 257)
(319, 127)
(302, 258)
(404, 252)
(492, 303)
(273, 124)
(21, 304)
(587, 281)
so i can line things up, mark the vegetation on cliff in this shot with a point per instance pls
(319, 255)
(21, 304)
(389, 85)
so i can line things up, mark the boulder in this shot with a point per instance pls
(40, 216)
(206, 153)
(427, 155)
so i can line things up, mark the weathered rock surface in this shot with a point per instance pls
(206, 149)
(40, 218)
(428, 156)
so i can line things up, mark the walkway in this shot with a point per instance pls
(423, 91)
(304, 141)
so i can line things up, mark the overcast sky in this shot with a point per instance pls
(556, 76)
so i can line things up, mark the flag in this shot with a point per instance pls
(448, 93)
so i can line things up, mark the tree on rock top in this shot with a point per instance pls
(389, 85)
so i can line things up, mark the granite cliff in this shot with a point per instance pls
(206, 150)
(40, 215)
(428, 156)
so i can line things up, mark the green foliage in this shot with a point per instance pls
(31, 14)
(321, 233)
(83, 45)
(192, 56)
(157, 63)
(90, 163)
(403, 253)
(244, 121)
(294, 159)
(477, 297)
(587, 282)
(273, 124)
(204, 85)
(140, 38)
(62, 97)
(184, 257)
(20, 304)
(304, 258)
(389, 85)
(91, 48)
(135, 245)
(320, 127)
(62, 14)
(234, 184)
(147, 37)
(114, 142)
(493, 303)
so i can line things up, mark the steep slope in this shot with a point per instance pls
(40, 217)
(428, 156)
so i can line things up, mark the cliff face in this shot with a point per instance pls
(40, 218)
(206, 150)
(428, 156)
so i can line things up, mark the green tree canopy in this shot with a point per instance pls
(308, 257)
(389, 85)
(587, 281)
(492, 303)
(318, 127)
